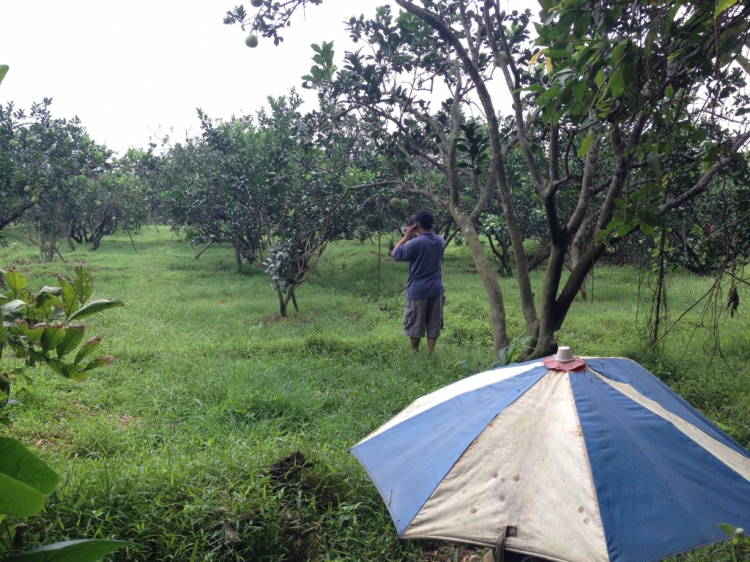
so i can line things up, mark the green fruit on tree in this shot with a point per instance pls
(251, 41)
(256, 3)
(27, 189)
(35, 199)
(396, 203)
(404, 203)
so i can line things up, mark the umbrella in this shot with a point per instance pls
(586, 460)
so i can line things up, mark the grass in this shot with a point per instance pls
(221, 432)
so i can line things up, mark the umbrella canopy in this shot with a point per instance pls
(604, 463)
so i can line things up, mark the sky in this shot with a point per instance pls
(136, 69)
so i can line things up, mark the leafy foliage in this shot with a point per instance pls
(45, 327)
(622, 115)
(40, 328)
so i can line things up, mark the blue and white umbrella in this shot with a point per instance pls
(605, 463)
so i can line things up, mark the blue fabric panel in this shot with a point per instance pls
(409, 460)
(630, 372)
(659, 492)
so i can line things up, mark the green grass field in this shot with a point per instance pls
(185, 444)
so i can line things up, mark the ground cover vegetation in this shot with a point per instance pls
(616, 133)
(220, 432)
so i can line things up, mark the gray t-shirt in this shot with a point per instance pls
(424, 254)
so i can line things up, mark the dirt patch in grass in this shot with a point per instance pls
(449, 553)
(277, 318)
(125, 421)
(51, 444)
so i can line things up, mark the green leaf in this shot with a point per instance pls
(586, 144)
(653, 160)
(65, 370)
(536, 88)
(72, 338)
(600, 78)
(13, 307)
(669, 92)
(617, 53)
(51, 337)
(21, 464)
(95, 307)
(15, 281)
(722, 6)
(624, 229)
(582, 25)
(24, 479)
(17, 499)
(550, 94)
(83, 284)
(579, 90)
(3, 333)
(33, 333)
(83, 550)
(617, 82)
(100, 362)
(88, 348)
(3, 71)
(57, 291)
(69, 299)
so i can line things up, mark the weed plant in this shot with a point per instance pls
(221, 431)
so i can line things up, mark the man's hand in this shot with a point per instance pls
(412, 231)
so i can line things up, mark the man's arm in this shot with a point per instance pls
(411, 232)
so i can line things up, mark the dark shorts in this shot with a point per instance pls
(424, 316)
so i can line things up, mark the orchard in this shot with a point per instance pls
(586, 163)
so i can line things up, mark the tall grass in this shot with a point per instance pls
(222, 430)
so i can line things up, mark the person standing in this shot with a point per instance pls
(423, 249)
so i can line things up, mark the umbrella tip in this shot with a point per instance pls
(564, 354)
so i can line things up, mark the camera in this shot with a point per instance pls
(412, 221)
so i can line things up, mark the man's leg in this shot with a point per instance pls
(434, 320)
(414, 322)
(431, 344)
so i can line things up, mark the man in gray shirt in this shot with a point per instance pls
(423, 249)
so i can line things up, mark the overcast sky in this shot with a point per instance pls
(132, 68)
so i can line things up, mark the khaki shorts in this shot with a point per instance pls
(424, 316)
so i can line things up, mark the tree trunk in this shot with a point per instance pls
(488, 277)
(503, 257)
(282, 301)
(294, 299)
(237, 254)
(574, 257)
(69, 236)
(15, 214)
(51, 250)
(206, 247)
(450, 236)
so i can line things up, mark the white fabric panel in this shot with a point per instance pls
(457, 388)
(739, 463)
(528, 469)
